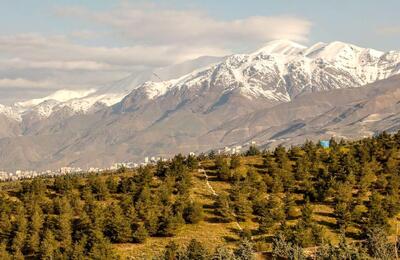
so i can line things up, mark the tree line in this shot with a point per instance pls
(81, 216)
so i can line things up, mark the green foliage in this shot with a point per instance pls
(253, 150)
(222, 168)
(140, 234)
(236, 161)
(245, 250)
(80, 216)
(222, 208)
(195, 250)
(281, 248)
(117, 228)
(193, 213)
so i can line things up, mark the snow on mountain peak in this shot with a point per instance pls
(59, 96)
(284, 47)
(338, 50)
(283, 69)
(10, 112)
(279, 71)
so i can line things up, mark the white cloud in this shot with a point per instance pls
(18, 63)
(40, 85)
(35, 47)
(23, 83)
(151, 24)
(389, 30)
(140, 37)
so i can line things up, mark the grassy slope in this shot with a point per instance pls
(212, 234)
(209, 232)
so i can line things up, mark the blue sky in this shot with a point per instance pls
(80, 44)
(368, 23)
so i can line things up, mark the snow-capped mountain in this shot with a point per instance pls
(91, 100)
(10, 112)
(283, 90)
(278, 72)
(283, 69)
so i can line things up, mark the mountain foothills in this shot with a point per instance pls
(305, 202)
(283, 93)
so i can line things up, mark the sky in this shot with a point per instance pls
(83, 44)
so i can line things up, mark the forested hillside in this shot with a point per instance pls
(307, 201)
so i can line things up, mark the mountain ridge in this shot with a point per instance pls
(266, 97)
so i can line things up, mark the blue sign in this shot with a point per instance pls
(324, 144)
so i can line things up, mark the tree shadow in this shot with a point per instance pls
(229, 239)
(325, 214)
(327, 224)
(354, 235)
(214, 220)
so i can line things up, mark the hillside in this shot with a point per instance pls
(282, 93)
(305, 201)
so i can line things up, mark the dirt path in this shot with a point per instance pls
(215, 193)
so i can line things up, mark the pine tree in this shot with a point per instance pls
(100, 247)
(377, 216)
(378, 244)
(48, 245)
(272, 213)
(64, 231)
(6, 226)
(140, 234)
(4, 255)
(193, 213)
(235, 162)
(222, 253)
(117, 228)
(245, 250)
(35, 226)
(222, 167)
(20, 231)
(78, 249)
(171, 251)
(240, 201)
(253, 150)
(222, 208)
(343, 203)
(195, 250)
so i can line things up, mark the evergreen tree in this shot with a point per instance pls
(245, 250)
(222, 253)
(343, 203)
(222, 208)
(253, 150)
(195, 250)
(4, 255)
(117, 228)
(235, 161)
(193, 213)
(272, 213)
(19, 231)
(140, 234)
(48, 245)
(35, 226)
(222, 167)
(171, 252)
(378, 244)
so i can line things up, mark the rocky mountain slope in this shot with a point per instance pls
(72, 102)
(282, 93)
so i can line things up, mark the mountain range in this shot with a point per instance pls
(282, 93)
